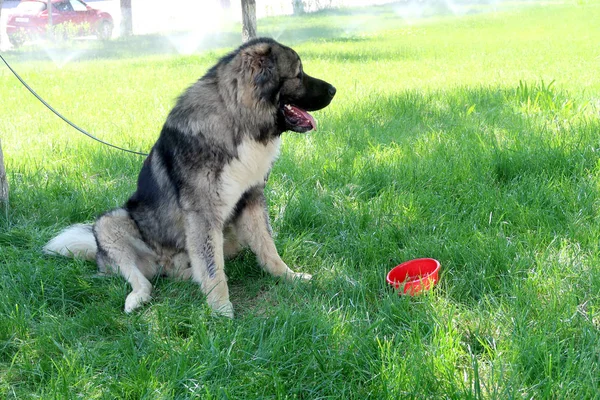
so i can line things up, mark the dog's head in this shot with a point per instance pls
(278, 80)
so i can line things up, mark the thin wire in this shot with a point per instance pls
(64, 118)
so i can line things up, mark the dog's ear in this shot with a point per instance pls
(260, 60)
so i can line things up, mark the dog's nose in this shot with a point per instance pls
(331, 91)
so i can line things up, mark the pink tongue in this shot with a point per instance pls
(305, 115)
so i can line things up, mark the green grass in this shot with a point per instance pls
(473, 140)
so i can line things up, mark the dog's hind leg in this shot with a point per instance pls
(231, 245)
(178, 266)
(141, 287)
(204, 242)
(121, 249)
(253, 228)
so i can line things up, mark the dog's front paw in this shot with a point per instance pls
(223, 309)
(301, 276)
(291, 276)
(135, 300)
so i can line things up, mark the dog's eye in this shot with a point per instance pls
(299, 76)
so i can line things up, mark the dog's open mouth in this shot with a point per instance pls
(298, 119)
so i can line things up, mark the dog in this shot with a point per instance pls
(200, 192)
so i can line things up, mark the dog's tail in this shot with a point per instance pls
(76, 241)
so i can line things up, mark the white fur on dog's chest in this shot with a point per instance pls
(248, 169)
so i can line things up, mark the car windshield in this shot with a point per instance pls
(30, 7)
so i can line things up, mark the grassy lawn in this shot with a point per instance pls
(474, 140)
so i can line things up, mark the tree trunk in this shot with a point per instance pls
(248, 20)
(3, 181)
(298, 7)
(126, 18)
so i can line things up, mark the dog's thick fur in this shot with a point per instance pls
(200, 192)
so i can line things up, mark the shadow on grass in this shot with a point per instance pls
(178, 43)
(474, 177)
(122, 48)
(467, 177)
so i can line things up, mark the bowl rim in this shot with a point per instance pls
(414, 279)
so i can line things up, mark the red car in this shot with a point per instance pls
(30, 19)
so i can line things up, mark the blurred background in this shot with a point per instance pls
(188, 23)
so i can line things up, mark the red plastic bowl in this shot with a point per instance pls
(414, 276)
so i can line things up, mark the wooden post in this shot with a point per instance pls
(248, 20)
(3, 182)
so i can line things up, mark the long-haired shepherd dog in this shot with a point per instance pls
(200, 192)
